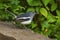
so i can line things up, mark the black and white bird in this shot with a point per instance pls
(25, 18)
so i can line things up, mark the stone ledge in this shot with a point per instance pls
(8, 30)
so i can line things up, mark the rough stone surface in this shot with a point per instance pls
(9, 31)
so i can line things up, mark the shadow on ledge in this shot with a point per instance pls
(4, 37)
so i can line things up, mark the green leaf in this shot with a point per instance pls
(58, 12)
(51, 18)
(16, 2)
(44, 12)
(53, 7)
(1, 6)
(58, 22)
(45, 24)
(34, 2)
(30, 9)
(33, 25)
(37, 9)
(47, 8)
(47, 33)
(6, 6)
(51, 2)
(45, 2)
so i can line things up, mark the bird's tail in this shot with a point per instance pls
(11, 13)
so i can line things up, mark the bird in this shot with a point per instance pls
(24, 18)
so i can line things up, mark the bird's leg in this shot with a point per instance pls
(24, 26)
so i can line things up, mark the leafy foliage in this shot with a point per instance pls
(46, 20)
(34, 2)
